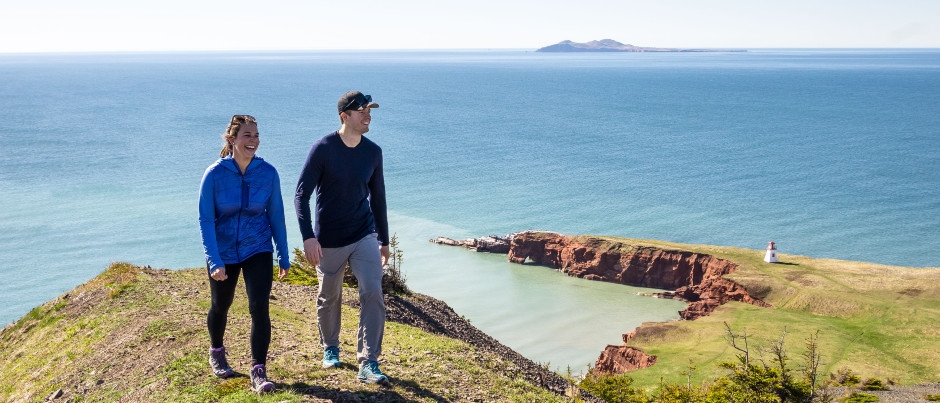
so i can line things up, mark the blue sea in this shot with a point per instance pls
(830, 153)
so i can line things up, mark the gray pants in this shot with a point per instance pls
(366, 263)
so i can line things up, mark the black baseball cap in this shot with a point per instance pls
(354, 100)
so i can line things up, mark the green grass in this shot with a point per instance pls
(148, 342)
(52, 337)
(879, 321)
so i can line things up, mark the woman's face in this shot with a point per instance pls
(246, 141)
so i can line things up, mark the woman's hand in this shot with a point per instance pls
(219, 274)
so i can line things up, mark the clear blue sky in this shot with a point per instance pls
(130, 25)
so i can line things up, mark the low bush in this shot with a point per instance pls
(873, 384)
(861, 398)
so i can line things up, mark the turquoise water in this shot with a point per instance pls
(829, 153)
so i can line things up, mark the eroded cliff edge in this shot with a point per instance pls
(693, 277)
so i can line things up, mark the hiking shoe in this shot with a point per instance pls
(331, 357)
(259, 380)
(219, 364)
(369, 373)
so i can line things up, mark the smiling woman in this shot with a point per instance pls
(240, 212)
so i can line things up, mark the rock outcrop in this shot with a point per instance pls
(618, 359)
(693, 277)
(491, 244)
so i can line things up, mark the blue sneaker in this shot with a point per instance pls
(369, 373)
(331, 357)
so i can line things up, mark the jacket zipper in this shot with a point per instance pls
(245, 191)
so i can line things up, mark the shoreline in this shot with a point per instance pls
(696, 279)
(693, 273)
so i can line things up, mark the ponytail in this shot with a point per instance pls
(226, 148)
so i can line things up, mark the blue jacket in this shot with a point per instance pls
(240, 214)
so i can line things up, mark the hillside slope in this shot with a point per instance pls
(138, 334)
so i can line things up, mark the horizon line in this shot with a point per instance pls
(125, 51)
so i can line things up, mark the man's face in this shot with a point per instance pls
(359, 120)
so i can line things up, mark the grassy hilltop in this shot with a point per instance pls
(877, 321)
(137, 334)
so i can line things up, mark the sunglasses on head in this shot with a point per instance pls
(359, 102)
(243, 119)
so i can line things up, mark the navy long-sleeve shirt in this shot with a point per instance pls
(350, 193)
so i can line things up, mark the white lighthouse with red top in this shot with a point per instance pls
(771, 255)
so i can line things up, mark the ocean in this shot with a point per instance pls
(830, 153)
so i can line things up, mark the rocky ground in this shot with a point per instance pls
(897, 394)
(435, 316)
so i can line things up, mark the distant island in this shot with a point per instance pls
(610, 45)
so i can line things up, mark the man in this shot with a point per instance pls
(344, 171)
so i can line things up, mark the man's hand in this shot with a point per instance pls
(312, 251)
(282, 274)
(383, 249)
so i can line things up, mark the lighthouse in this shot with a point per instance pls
(771, 255)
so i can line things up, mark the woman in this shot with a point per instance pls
(240, 212)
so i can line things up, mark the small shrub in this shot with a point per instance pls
(301, 272)
(845, 377)
(932, 398)
(756, 380)
(393, 280)
(119, 277)
(873, 384)
(613, 388)
(861, 398)
(676, 393)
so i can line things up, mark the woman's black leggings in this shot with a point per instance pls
(259, 274)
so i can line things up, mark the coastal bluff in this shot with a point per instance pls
(873, 320)
(693, 277)
(697, 278)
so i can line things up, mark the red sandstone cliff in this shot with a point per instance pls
(695, 277)
(618, 359)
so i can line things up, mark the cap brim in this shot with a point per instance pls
(370, 105)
